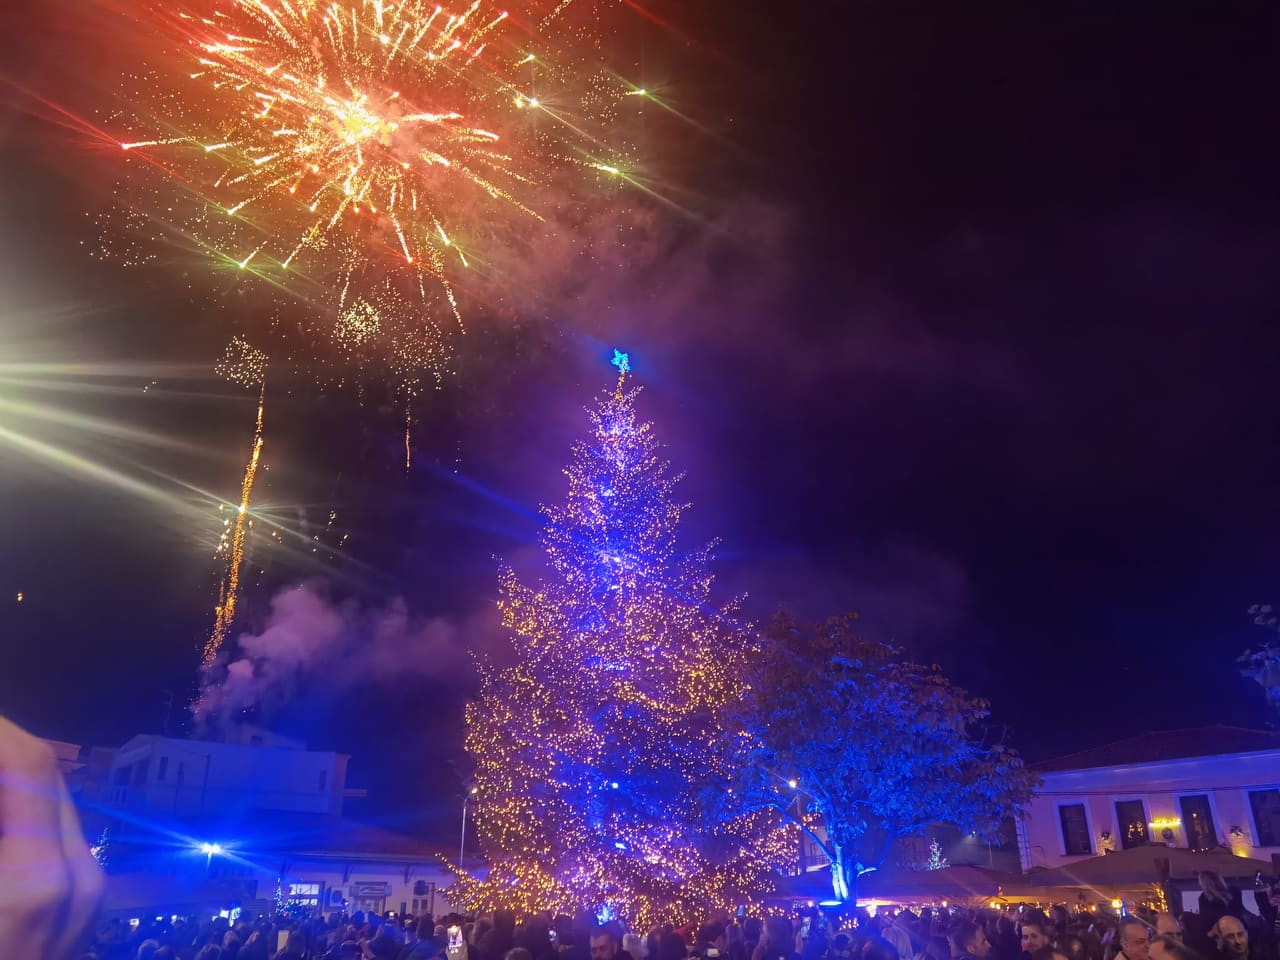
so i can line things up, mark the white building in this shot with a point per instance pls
(197, 825)
(335, 864)
(1199, 789)
(196, 778)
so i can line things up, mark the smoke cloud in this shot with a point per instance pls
(311, 641)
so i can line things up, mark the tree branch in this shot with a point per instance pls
(824, 845)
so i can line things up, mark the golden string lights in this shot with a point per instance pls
(597, 749)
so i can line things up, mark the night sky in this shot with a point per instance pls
(973, 329)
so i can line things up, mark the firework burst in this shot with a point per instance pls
(359, 159)
(348, 142)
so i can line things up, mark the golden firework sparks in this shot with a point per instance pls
(369, 137)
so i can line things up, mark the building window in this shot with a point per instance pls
(1197, 822)
(1131, 817)
(121, 776)
(324, 778)
(140, 771)
(306, 895)
(162, 769)
(1266, 817)
(1076, 841)
(181, 772)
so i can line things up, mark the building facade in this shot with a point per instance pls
(197, 778)
(198, 826)
(1200, 789)
(334, 865)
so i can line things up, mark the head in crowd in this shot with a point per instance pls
(1135, 941)
(878, 948)
(671, 947)
(901, 941)
(1232, 938)
(779, 933)
(1073, 947)
(937, 948)
(604, 945)
(1167, 926)
(633, 945)
(1166, 947)
(1047, 952)
(1034, 936)
(711, 937)
(969, 940)
(1214, 887)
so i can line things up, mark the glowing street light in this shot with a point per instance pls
(210, 850)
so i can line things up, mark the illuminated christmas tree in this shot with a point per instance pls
(598, 748)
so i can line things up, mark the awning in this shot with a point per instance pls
(1145, 865)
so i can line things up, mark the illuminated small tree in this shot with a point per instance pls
(936, 860)
(596, 747)
(860, 748)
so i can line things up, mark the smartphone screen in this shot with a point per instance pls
(804, 927)
(282, 940)
(456, 950)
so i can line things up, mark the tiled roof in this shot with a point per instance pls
(323, 835)
(1166, 745)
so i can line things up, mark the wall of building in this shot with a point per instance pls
(1226, 780)
(187, 778)
(414, 889)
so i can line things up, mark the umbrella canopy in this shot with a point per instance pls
(1143, 865)
(949, 883)
(958, 883)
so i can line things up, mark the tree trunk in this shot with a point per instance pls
(841, 877)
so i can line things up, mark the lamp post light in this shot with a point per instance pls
(462, 843)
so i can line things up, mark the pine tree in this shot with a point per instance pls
(597, 747)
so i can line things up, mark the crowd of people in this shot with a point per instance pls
(1222, 929)
(52, 889)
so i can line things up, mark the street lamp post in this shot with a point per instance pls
(462, 843)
